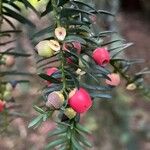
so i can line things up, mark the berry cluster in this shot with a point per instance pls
(80, 65)
(76, 100)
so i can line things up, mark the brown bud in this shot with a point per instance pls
(55, 100)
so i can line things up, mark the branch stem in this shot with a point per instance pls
(54, 4)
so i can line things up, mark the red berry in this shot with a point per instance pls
(50, 71)
(75, 45)
(101, 56)
(69, 60)
(2, 105)
(79, 100)
(115, 79)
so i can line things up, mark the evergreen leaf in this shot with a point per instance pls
(17, 16)
(35, 121)
(48, 78)
(53, 144)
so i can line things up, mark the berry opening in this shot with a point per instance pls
(105, 62)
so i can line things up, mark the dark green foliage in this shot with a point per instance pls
(71, 135)
(9, 8)
(43, 116)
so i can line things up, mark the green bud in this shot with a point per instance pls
(44, 49)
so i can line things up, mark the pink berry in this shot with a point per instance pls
(77, 46)
(101, 56)
(79, 100)
(67, 46)
(51, 71)
(115, 79)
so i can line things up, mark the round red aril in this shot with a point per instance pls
(2, 105)
(79, 100)
(115, 79)
(50, 71)
(101, 56)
